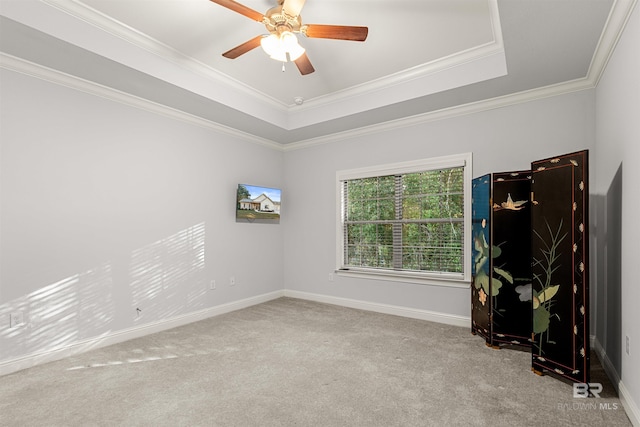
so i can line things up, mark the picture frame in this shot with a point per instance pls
(258, 204)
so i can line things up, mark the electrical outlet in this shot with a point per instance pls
(627, 345)
(212, 285)
(232, 281)
(16, 319)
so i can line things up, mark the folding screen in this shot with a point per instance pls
(501, 226)
(559, 222)
(481, 256)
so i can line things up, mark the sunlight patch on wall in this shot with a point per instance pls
(60, 313)
(167, 276)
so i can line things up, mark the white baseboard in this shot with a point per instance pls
(414, 313)
(609, 369)
(79, 347)
(630, 408)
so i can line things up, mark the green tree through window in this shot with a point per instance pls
(411, 222)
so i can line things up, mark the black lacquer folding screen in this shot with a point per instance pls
(559, 220)
(512, 267)
(481, 300)
(501, 292)
(530, 263)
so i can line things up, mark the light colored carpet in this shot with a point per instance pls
(291, 362)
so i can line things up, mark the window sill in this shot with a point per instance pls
(406, 277)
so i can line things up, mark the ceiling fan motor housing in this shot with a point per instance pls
(277, 21)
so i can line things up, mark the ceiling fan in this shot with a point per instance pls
(282, 22)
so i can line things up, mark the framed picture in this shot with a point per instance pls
(258, 204)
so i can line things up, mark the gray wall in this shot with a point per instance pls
(502, 139)
(617, 173)
(107, 208)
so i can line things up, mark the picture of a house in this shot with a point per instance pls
(258, 203)
(262, 203)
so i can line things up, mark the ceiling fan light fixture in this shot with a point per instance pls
(290, 45)
(270, 44)
(282, 48)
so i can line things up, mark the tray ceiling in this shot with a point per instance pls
(421, 58)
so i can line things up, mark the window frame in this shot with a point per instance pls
(463, 279)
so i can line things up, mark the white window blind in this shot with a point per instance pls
(406, 219)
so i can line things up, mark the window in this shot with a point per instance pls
(406, 221)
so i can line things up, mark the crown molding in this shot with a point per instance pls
(496, 46)
(619, 15)
(97, 19)
(613, 29)
(402, 85)
(53, 76)
(22, 66)
(475, 64)
(461, 69)
(447, 113)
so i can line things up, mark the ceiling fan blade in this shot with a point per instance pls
(241, 9)
(243, 48)
(304, 65)
(338, 32)
(293, 7)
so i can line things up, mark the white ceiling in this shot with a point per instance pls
(423, 58)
